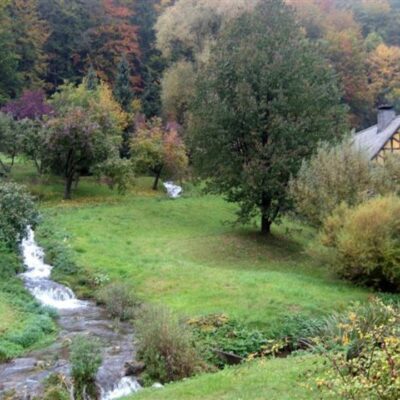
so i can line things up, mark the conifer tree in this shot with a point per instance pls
(122, 89)
(92, 80)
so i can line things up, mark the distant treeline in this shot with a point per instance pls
(44, 43)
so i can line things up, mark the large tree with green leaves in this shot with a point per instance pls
(85, 132)
(263, 102)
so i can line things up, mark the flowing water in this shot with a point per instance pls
(25, 375)
(174, 191)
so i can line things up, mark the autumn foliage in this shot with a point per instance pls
(159, 150)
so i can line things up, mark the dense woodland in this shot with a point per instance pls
(283, 252)
(45, 44)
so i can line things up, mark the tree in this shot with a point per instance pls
(334, 175)
(333, 27)
(33, 143)
(68, 22)
(91, 79)
(384, 73)
(199, 23)
(112, 35)
(25, 133)
(10, 79)
(262, 103)
(17, 211)
(346, 51)
(178, 90)
(85, 133)
(32, 105)
(122, 88)
(187, 47)
(158, 150)
(11, 134)
(74, 144)
(152, 63)
(30, 33)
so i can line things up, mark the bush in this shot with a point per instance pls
(219, 332)
(119, 300)
(333, 176)
(17, 211)
(368, 365)
(166, 346)
(85, 358)
(386, 176)
(365, 242)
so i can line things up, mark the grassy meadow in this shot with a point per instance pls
(278, 379)
(186, 254)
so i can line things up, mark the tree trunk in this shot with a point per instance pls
(5, 168)
(157, 178)
(265, 225)
(266, 219)
(77, 176)
(68, 187)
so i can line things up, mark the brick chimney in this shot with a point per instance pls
(386, 114)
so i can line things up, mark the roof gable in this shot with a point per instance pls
(371, 141)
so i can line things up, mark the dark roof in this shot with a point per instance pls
(371, 141)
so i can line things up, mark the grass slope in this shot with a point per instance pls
(278, 379)
(183, 254)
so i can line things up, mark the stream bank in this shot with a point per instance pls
(24, 376)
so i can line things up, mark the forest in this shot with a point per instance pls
(199, 199)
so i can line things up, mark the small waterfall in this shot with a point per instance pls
(127, 385)
(37, 277)
(75, 317)
(174, 191)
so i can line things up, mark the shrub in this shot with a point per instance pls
(85, 358)
(116, 173)
(334, 175)
(17, 211)
(368, 365)
(219, 332)
(386, 176)
(119, 300)
(165, 345)
(365, 242)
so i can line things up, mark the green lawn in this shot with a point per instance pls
(185, 254)
(279, 379)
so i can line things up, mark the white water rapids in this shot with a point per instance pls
(75, 317)
(173, 191)
(37, 278)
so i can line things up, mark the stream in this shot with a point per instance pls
(25, 375)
